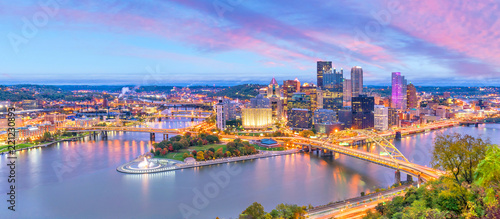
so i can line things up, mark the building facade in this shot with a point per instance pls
(363, 112)
(398, 95)
(381, 118)
(322, 68)
(356, 81)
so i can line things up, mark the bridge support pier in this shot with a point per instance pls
(165, 137)
(397, 177)
(398, 135)
(477, 125)
(152, 137)
(409, 178)
(310, 149)
(104, 134)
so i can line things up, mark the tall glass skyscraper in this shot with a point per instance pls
(323, 67)
(333, 90)
(357, 81)
(399, 96)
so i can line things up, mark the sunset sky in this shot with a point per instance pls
(241, 41)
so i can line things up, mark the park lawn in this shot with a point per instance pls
(268, 149)
(4, 148)
(178, 155)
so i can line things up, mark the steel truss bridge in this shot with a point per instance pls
(391, 158)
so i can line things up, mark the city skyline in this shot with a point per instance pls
(121, 43)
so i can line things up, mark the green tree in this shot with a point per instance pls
(306, 133)
(200, 156)
(487, 174)
(459, 155)
(255, 211)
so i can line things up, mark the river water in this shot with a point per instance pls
(79, 179)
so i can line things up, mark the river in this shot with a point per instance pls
(79, 179)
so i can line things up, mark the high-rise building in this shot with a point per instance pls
(324, 116)
(311, 90)
(345, 116)
(300, 119)
(333, 90)
(256, 118)
(381, 118)
(220, 115)
(393, 117)
(323, 67)
(347, 92)
(289, 88)
(362, 112)
(411, 93)
(259, 102)
(273, 89)
(258, 114)
(398, 97)
(356, 81)
(300, 101)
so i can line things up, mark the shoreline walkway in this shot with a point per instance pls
(262, 154)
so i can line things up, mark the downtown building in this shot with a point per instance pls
(300, 119)
(398, 93)
(258, 114)
(411, 95)
(363, 112)
(356, 81)
(289, 88)
(322, 68)
(381, 115)
(332, 92)
(274, 94)
(347, 92)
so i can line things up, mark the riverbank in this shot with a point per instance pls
(27, 146)
(341, 206)
(262, 154)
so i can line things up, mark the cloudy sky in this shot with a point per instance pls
(431, 42)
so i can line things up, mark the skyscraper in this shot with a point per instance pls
(221, 116)
(411, 93)
(381, 118)
(362, 112)
(398, 97)
(357, 81)
(347, 92)
(289, 88)
(333, 90)
(323, 67)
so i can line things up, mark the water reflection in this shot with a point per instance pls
(87, 168)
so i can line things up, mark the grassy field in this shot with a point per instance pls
(178, 155)
(4, 148)
(268, 149)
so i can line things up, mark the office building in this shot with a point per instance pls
(312, 91)
(273, 89)
(398, 97)
(322, 68)
(411, 93)
(300, 101)
(381, 118)
(345, 116)
(324, 116)
(220, 115)
(332, 91)
(363, 112)
(289, 88)
(347, 92)
(300, 119)
(393, 117)
(256, 118)
(356, 81)
(259, 102)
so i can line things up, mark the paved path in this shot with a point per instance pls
(261, 154)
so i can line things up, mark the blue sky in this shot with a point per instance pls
(241, 41)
